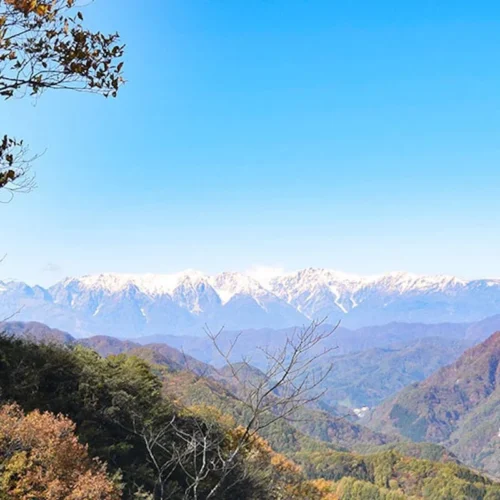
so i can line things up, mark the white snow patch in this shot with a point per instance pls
(361, 412)
(344, 310)
(150, 284)
(224, 295)
(265, 274)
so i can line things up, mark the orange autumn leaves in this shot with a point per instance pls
(41, 458)
(285, 475)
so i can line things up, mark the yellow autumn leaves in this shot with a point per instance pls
(30, 6)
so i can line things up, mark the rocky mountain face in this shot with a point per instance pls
(458, 406)
(131, 306)
(363, 301)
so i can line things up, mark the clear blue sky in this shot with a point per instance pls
(358, 135)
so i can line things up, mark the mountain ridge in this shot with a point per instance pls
(458, 406)
(135, 305)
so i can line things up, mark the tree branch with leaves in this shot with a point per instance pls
(44, 45)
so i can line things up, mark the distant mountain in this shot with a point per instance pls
(366, 378)
(36, 331)
(366, 301)
(393, 336)
(481, 330)
(368, 365)
(458, 406)
(106, 346)
(195, 382)
(129, 306)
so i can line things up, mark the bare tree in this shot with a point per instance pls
(196, 448)
(291, 381)
(288, 383)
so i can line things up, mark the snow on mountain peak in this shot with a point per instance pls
(228, 284)
(150, 284)
(343, 286)
(143, 303)
(403, 282)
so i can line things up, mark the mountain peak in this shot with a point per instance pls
(151, 284)
(147, 304)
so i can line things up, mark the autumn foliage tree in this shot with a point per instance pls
(285, 479)
(44, 45)
(40, 457)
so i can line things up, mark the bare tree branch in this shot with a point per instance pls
(208, 456)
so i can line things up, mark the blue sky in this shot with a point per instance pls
(362, 136)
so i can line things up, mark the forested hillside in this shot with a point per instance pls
(459, 407)
(120, 413)
(368, 377)
(134, 415)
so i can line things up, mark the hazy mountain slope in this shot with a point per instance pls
(481, 330)
(107, 346)
(343, 340)
(368, 377)
(358, 378)
(284, 436)
(458, 406)
(130, 306)
(193, 390)
(35, 331)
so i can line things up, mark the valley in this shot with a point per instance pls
(424, 395)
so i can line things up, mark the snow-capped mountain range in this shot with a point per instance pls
(128, 305)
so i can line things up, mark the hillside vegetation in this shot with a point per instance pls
(117, 405)
(458, 406)
(366, 378)
(115, 401)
